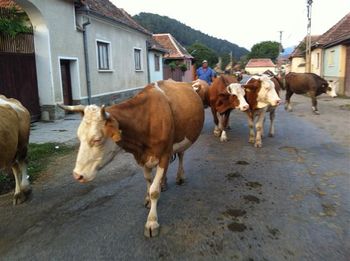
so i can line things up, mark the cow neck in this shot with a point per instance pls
(132, 119)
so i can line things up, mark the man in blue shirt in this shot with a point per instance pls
(205, 73)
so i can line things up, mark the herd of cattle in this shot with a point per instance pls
(162, 120)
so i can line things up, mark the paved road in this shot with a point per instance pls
(289, 200)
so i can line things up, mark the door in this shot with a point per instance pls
(66, 82)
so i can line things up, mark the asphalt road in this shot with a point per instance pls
(289, 200)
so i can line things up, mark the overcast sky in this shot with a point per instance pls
(246, 22)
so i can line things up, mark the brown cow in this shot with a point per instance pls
(14, 137)
(165, 118)
(223, 95)
(310, 83)
(261, 96)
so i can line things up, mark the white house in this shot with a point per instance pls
(155, 60)
(257, 66)
(87, 51)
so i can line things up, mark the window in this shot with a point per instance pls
(331, 58)
(156, 62)
(137, 57)
(103, 50)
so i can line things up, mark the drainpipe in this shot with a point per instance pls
(86, 55)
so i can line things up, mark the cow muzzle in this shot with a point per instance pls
(244, 107)
(79, 177)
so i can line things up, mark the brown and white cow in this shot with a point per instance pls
(310, 83)
(14, 137)
(223, 95)
(261, 95)
(165, 118)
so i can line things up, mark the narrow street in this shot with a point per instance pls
(289, 200)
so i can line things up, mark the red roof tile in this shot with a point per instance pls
(109, 10)
(337, 33)
(8, 4)
(176, 50)
(260, 63)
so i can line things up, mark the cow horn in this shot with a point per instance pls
(74, 108)
(104, 114)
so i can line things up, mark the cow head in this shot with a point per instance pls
(237, 90)
(330, 88)
(98, 133)
(267, 94)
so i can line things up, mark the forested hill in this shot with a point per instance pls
(187, 35)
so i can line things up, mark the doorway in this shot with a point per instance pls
(66, 82)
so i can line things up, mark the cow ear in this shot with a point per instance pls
(112, 129)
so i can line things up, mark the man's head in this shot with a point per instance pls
(205, 64)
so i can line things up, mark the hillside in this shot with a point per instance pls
(187, 35)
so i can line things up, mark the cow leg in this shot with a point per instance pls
(180, 177)
(272, 122)
(152, 226)
(147, 173)
(314, 104)
(251, 127)
(216, 131)
(221, 118)
(258, 126)
(227, 119)
(22, 189)
(288, 105)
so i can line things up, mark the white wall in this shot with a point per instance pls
(259, 70)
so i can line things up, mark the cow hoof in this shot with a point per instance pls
(217, 133)
(223, 139)
(228, 127)
(271, 135)
(258, 145)
(180, 181)
(151, 229)
(19, 198)
(316, 112)
(251, 140)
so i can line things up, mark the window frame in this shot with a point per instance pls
(157, 62)
(140, 60)
(108, 44)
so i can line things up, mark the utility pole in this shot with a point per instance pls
(308, 37)
(279, 53)
(231, 62)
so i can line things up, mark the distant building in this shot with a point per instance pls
(257, 66)
(156, 54)
(331, 55)
(177, 54)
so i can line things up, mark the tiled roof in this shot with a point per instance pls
(176, 50)
(299, 51)
(337, 33)
(109, 10)
(154, 45)
(260, 63)
(8, 4)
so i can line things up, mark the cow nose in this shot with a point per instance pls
(78, 176)
(245, 107)
(278, 102)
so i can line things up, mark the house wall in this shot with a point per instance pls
(295, 65)
(122, 75)
(316, 61)
(258, 70)
(56, 38)
(155, 75)
(334, 66)
(188, 75)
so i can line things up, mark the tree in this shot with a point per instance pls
(13, 22)
(266, 49)
(201, 52)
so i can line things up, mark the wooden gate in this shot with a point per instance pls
(18, 80)
(176, 74)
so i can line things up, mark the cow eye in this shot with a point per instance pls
(96, 141)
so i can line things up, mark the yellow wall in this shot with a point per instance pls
(296, 61)
(316, 61)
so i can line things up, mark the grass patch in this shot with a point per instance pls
(39, 157)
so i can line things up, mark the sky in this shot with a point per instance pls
(247, 22)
